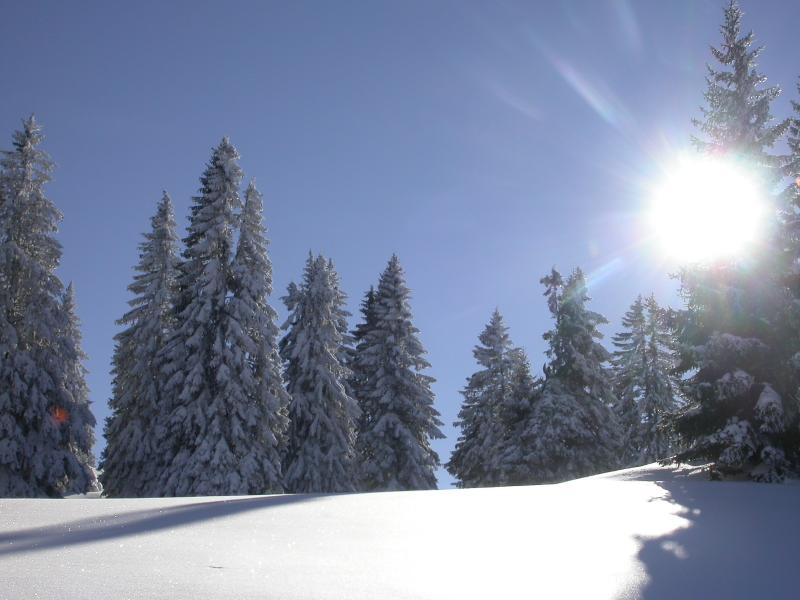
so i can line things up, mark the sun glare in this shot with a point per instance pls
(706, 209)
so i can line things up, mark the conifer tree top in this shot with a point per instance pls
(737, 115)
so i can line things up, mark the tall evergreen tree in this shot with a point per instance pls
(630, 371)
(573, 431)
(516, 410)
(45, 423)
(361, 371)
(791, 246)
(214, 433)
(322, 416)
(346, 351)
(131, 461)
(663, 386)
(474, 462)
(736, 414)
(736, 120)
(790, 212)
(399, 417)
(792, 166)
(368, 316)
(253, 335)
(645, 384)
(77, 423)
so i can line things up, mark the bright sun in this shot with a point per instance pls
(706, 209)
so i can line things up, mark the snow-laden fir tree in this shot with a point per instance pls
(319, 455)
(46, 427)
(736, 120)
(361, 372)
(792, 166)
(78, 422)
(646, 387)
(346, 349)
(253, 336)
(790, 207)
(516, 409)
(399, 420)
(573, 430)
(629, 373)
(474, 462)
(663, 395)
(790, 214)
(733, 329)
(131, 462)
(216, 437)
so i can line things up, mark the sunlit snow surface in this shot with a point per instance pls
(641, 533)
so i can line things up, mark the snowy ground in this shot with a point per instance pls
(642, 533)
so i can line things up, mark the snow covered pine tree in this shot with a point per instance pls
(130, 461)
(484, 431)
(80, 437)
(399, 418)
(218, 437)
(572, 431)
(46, 426)
(790, 230)
(731, 332)
(360, 373)
(511, 455)
(629, 363)
(319, 455)
(346, 350)
(645, 384)
(254, 347)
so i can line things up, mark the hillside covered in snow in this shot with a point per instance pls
(651, 532)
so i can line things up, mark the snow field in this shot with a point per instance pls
(650, 532)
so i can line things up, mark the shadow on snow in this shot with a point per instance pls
(742, 541)
(126, 524)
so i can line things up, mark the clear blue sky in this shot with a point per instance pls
(483, 142)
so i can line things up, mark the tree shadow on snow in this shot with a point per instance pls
(742, 541)
(125, 524)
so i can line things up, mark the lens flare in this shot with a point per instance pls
(60, 414)
(706, 209)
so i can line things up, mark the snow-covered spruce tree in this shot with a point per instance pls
(253, 338)
(399, 421)
(736, 120)
(791, 233)
(130, 461)
(790, 209)
(646, 387)
(731, 333)
(511, 464)
(663, 386)
(215, 438)
(319, 456)
(346, 351)
(629, 363)
(46, 427)
(78, 422)
(361, 370)
(473, 462)
(792, 166)
(573, 431)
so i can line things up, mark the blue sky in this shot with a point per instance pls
(483, 142)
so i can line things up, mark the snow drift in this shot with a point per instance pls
(650, 532)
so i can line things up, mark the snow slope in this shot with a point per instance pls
(641, 533)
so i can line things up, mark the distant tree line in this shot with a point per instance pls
(209, 398)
